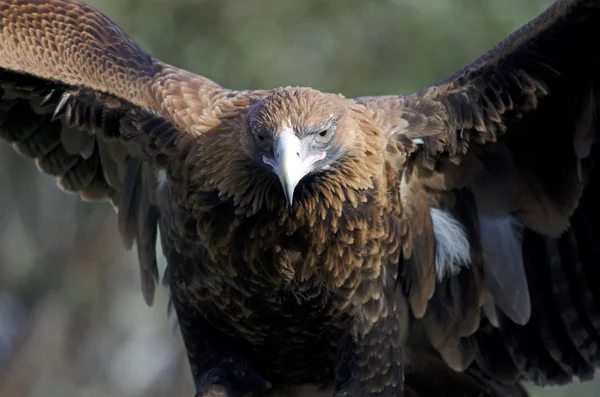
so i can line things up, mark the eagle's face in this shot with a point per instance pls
(298, 132)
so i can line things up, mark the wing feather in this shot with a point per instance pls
(519, 127)
(94, 110)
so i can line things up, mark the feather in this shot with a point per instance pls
(584, 134)
(489, 308)
(130, 200)
(424, 234)
(504, 272)
(76, 143)
(452, 246)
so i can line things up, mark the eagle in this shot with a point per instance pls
(442, 242)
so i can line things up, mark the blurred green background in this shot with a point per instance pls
(72, 318)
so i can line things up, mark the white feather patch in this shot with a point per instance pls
(452, 249)
(504, 271)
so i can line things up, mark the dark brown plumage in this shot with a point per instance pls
(370, 244)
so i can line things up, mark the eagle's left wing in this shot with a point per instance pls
(506, 151)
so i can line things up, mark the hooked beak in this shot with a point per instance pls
(290, 164)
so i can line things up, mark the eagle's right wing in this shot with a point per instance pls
(89, 105)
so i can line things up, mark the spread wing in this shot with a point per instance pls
(506, 150)
(83, 100)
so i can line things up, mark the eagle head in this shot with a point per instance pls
(298, 132)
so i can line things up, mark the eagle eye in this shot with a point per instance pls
(262, 139)
(325, 135)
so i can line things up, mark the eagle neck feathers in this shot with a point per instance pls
(336, 217)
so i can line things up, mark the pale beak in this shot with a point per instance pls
(289, 166)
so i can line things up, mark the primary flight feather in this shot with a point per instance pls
(370, 244)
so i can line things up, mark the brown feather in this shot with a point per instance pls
(341, 284)
(522, 120)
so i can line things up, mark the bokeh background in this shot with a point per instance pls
(72, 318)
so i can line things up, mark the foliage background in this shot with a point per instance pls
(72, 318)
